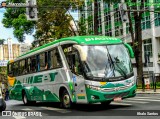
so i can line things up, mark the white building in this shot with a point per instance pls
(110, 24)
(11, 50)
(24, 47)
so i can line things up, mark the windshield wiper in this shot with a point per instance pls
(124, 74)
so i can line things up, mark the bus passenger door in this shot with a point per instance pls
(77, 78)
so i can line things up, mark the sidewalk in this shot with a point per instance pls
(148, 91)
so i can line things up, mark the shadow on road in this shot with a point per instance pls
(79, 107)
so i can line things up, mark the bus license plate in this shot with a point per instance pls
(117, 99)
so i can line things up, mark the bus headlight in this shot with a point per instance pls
(93, 87)
(132, 83)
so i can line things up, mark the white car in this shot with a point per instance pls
(2, 102)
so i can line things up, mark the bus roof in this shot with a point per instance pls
(85, 40)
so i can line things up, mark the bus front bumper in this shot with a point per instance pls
(95, 96)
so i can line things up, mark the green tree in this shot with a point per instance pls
(15, 18)
(2, 41)
(54, 20)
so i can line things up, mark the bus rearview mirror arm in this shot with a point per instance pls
(131, 53)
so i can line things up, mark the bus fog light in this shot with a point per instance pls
(92, 97)
(88, 86)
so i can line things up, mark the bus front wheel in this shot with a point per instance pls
(66, 100)
(26, 101)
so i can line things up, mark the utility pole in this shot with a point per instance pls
(30, 5)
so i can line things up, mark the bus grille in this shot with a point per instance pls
(116, 95)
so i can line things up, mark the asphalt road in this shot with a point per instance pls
(137, 107)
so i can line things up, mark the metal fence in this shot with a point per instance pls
(153, 78)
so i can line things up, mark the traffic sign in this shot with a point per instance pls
(3, 62)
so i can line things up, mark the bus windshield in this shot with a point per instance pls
(105, 61)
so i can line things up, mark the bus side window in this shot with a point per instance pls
(46, 61)
(49, 59)
(74, 62)
(10, 70)
(29, 65)
(33, 64)
(42, 61)
(38, 63)
(16, 67)
(56, 61)
(22, 67)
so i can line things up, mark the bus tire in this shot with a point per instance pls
(105, 103)
(26, 101)
(66, 100)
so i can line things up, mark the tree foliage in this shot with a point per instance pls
(54, 21)
(2, 41)
(15, 18)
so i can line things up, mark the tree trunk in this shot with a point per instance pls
(138, 47)
(138, 44)
(130, 26)
(95, 17)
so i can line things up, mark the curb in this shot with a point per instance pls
(150, 91)
(147, 93)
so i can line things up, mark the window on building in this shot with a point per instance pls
(107, 15)
(99, 18)
(117, 21)
(90, 17)
(157, 19)
(146, 24)
(148, 47)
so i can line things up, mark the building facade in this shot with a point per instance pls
(24, 47)
(8, 52)
(110, 24)
(11, 51)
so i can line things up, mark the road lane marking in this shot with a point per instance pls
(120, 103)
(157, 98)
(26, 109)
(56, 109)
(134, 101)
(150, 100)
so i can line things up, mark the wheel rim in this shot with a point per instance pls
(66, 100)
(25, 99)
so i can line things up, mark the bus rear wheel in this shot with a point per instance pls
(66, 100)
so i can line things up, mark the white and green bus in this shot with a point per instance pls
(81, 69)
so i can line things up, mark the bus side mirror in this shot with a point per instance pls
(131, 53)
